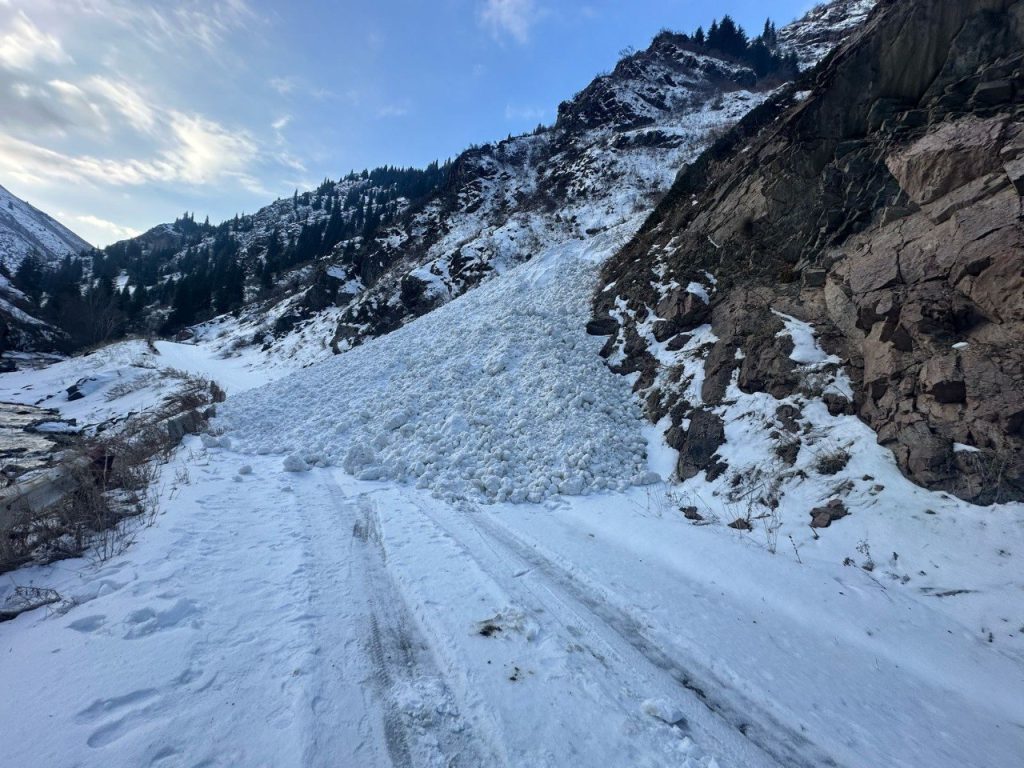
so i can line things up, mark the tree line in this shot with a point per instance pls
(191, 271)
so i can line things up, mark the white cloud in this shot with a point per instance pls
(292, 162)
(174, 27)
(196, 151)
(92, 105)
(35, 164)
(24, 44)
(513, 18)
(205, 151)
(117, 231)
(393, 110)
(283, 85)
(289, 86)
(126, 100)
(109, 98)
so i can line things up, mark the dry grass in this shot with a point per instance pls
(112, 477)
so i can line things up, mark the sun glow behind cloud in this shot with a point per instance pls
(131, 111)
(75, 120)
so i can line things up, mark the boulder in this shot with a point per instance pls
(702, 439)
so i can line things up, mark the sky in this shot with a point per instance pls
(117, 115)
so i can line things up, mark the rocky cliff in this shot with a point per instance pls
(878, 200)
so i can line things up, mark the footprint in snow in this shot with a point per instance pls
(146, 621)
(88, 624)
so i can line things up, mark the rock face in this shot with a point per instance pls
(880, 200)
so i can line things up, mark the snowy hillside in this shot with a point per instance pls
(322, 271)
(25, 229)
(823, 28)
(497, 396)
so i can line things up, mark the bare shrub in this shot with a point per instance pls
(832, 462)
(112, 478)
(28, 598)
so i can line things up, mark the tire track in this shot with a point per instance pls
(613, 628)
(422, 719)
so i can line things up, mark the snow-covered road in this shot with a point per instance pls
(281, 619)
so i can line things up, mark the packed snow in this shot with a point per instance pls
(128, 377)
(311, 619)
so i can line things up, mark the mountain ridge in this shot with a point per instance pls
(25, 229)
(404, 241)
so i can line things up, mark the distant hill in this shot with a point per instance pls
(25, 229)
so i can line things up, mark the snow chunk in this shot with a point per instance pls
(699, 291)
(295, 463)
(664, 710)
(805, 349)
(964, 448)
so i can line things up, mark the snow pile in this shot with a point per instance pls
(498, 395)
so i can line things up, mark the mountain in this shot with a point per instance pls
(322, 271)
(460, 543)
(25, 229)
(876, 207)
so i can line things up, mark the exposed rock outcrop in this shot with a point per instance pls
(880, 200)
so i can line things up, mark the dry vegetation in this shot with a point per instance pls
(110, 479)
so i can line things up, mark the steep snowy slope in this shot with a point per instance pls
(19, 329)
(498, 395)
(25, 229)
(326, 269)
(615, 149)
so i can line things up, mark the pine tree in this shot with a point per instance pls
(713, 39)
(29, 276)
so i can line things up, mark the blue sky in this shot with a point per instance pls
(119, 114)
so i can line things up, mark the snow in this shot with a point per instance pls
(823, 27)
(805, 349)
(319, 620)
(341, 577)
(129, 377)
(494, 396)
(24, 229)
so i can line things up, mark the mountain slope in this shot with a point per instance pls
(25, 229)
(881, 204)
(325, 270)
